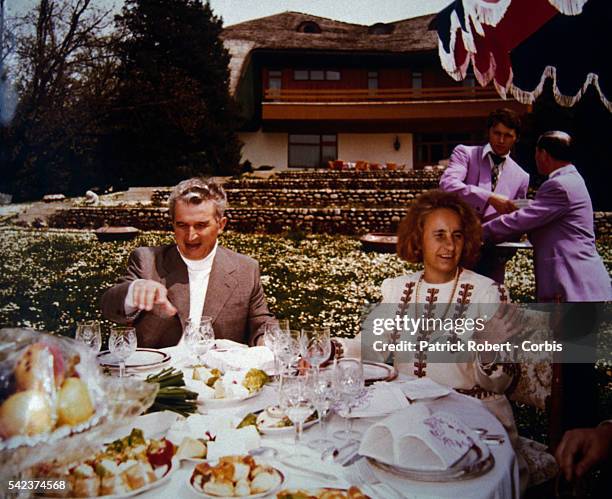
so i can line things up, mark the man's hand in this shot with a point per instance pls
(502, 204)
(152, 295)
(583, 448)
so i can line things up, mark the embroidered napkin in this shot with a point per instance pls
(240, 358)
(414, 438)
(423, 388)
(381, 399)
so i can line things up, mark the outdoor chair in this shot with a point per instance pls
(330, 164)
(375, 166)
(338, 164)
(361, 166)
(391, 166)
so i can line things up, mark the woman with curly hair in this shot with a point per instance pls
(442, 232)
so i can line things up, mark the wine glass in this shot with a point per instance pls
(88, 332)
(297, 403)
(274, 337)
(122, 343)
(290, 350)
(199, 337)
(317, 346)
(348, 384)
(320, 386)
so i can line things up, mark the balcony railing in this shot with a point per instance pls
(380, 95)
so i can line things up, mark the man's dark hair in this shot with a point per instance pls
(557, 144)
(506, 117)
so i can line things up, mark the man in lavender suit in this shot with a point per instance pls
(568, 269)
(488, 180)
(560, 226)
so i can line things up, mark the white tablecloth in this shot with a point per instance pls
(501, 482)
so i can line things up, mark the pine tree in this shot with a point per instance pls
(173, 117)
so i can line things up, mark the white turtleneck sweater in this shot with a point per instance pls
(199, 274)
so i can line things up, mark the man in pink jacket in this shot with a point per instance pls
(488, 179)
(559, 223)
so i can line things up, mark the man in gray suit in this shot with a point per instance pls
(167, 285)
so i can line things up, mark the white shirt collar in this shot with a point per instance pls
(487, 149)
(203, 264)
(561, 170)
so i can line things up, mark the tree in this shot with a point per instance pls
(173, 116)
(64, 75)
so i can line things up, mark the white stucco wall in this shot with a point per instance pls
(265, 148)
(375, 147)
(272, 148)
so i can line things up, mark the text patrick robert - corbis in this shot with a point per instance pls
(401, 334)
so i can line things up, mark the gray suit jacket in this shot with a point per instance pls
(235, 299)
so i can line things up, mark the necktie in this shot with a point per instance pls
(497, 160)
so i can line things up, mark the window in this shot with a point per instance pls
(308, 27)
(372, 80)
(311, 151)
(316, 75)
(417, 79)
(275, 79)
(430, 148)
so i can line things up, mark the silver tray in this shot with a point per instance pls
(476, 462)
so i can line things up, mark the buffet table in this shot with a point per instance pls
(499, 482)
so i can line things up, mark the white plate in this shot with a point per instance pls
(521, 203)
(377, 371)
(163, 477)
(280, 481)
(212, 403)
(142, 358)
(477, 461)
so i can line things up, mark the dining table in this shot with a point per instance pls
(310, 471)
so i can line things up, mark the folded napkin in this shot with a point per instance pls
(197, 425)
(416, 439)
(240, 358)
(381, 399)
(423, 388)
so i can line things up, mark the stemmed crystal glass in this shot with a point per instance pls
(317, 346)
(199, 337)
(275, 335)
(88, 332)
(297, 403)
(290, 350)
(320, 387)
(348, 385)
(122, 343)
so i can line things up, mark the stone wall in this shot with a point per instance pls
(271, 220)
(301, 198)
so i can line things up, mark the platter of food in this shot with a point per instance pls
(123, 468)
(322, 493)
(235, 476)
(216, 388)
(49, 389)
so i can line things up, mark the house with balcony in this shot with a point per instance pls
(313, 89)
